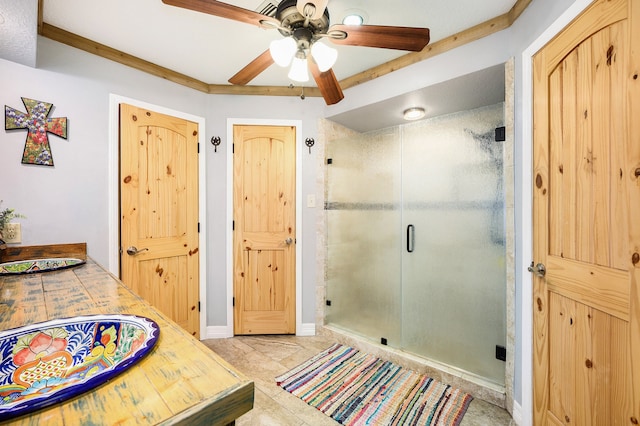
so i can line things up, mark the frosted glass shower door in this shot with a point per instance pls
(364, 235)
(454, 278)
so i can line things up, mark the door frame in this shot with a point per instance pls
(114, 191)
(526, 218)
(299, 240)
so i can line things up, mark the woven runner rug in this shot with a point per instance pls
(359, 389)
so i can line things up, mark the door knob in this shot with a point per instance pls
(539, 269)
(288, 240)
(132, 251)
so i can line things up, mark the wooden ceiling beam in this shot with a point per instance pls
(463, 37)
(74, 40)
(482, 30)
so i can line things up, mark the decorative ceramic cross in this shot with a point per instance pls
(36, 121)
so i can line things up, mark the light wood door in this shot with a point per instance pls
(264, 241)
(159, 212)
(587, 220)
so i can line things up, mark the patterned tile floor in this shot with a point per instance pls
(262, 358)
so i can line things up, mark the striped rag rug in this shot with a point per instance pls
(359, 389)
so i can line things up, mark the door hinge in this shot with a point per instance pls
(198, 306)
(198, 227)
(233, 225)
(233, 301)
(501, 353)
(198, 147)
(233, 148)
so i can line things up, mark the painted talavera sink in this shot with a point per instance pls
(46, 363)
(38, 265)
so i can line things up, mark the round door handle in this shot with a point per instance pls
(288, 240)
(540, 270)
(132, 251)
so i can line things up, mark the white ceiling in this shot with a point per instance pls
(475, 90)
(212, 49)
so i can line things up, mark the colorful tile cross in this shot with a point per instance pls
(36, 149)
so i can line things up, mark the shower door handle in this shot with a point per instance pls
(411, 238)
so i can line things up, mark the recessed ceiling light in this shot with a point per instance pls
(353, 19)
(414, 113)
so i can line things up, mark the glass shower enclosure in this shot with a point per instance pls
(416, 239)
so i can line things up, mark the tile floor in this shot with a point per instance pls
(262, 358)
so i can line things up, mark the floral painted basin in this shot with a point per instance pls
(38, 265)
(45, 363)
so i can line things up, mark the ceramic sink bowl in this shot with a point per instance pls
(38, 265)
(45, 363)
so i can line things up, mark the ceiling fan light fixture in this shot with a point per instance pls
(324, 55)
(414, 113)
(299, 71)
(283, 50)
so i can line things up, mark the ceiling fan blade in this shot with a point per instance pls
(327, 83)
(320, 6)
(386, 37)
(253, 68)
(223, 10)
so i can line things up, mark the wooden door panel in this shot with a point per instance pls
(264, 235)
(162, 169)
(586, 183)
(631, 174)
(264, 183)
(159, 212)
(561, 335)
(160, 281)
(598, 342)
(599, 15)
(602, 288)
(586, 202)
(265, 280)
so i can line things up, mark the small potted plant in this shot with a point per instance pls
(6, 216)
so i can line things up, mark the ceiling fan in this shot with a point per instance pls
(304, 23)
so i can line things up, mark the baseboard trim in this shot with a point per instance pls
(223, 332)
(517, 413)
(218, 332)
(308, 329)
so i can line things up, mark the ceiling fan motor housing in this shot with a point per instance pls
(295, 24)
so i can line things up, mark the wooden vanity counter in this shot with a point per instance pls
(180, 382)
